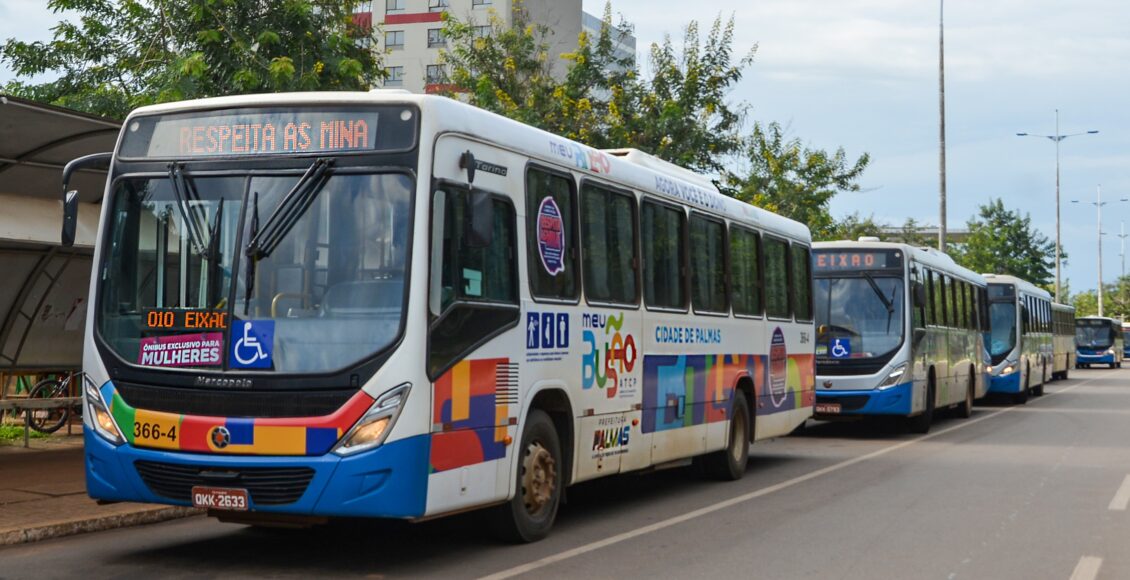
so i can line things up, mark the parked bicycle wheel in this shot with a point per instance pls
(48, 420)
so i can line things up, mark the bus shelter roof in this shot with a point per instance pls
(43, 292)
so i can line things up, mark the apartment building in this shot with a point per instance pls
(410, 33)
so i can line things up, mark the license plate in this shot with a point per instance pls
(828, 408)
(220, 498)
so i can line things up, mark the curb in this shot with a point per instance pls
(96, 524)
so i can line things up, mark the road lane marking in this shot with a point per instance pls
(1122, 497)
(625, 536)
(1087, 568)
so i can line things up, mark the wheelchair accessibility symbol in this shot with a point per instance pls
(252, 344)
(841, 348)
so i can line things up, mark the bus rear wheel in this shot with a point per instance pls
(529, 515)
(965, 410)
(729, 464)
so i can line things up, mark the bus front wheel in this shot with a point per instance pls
(921, 423)
(529, 515)
(1039, 391)
(729, 464)
(965, 410)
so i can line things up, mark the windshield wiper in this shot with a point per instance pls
(178, 180)
(213, 256)
(293, 205)
(886, 301)
(249, 269)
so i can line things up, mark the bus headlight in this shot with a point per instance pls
(1110, 351)
(1008, 369)
(104, 423)
(894, 377)
(373, 427)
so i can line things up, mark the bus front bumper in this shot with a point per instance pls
(894, 400)
(1089, 359)
(1009, 383)
(390, 481)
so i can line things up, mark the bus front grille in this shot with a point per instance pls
(265, 485)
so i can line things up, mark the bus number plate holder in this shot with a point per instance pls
(220, 498)
(827, 408)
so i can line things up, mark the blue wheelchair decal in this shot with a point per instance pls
(840, 348)
(253, 343)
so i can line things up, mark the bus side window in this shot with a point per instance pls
(663, 233)
(917, 311)
(931, 305)
(959, 304)
(608, 243)
(940, 298)
(745, 271)
(802, 282)
(776, 278)
(479, 286)
(551, 238)
(708, 265)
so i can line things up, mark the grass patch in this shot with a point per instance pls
(16, 433)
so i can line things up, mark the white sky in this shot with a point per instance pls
(862, 74)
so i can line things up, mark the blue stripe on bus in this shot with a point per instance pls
(895, 400)
(390, 481)
(1009, 383)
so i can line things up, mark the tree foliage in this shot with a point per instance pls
(121, 54)
(791, 179)
(1001, 241)
(678, 111)
(854, 226)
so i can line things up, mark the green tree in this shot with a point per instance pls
(1086, 304)
(679, 112)
(787, 177)
(1001, 241)
(122, 54)
(854, 226)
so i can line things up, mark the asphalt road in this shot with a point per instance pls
(1033, 491)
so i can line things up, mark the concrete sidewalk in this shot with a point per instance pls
(43, 495)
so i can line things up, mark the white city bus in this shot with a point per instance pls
(1063, 340)
(899, 332)
(1022, 350)
(393, 305)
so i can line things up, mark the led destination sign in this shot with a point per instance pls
(831, 260)
(252, 132)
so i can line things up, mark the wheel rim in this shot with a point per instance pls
(539, 478)
(737, 430)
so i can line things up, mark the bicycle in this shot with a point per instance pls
(51, 420)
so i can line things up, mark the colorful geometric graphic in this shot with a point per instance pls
(260, 436)
(687, 390)
(473, 419)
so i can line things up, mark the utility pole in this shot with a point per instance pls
(941, 126)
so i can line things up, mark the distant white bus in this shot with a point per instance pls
(1020, 316)
(899, 332)
(1063, 339)
(393, 305)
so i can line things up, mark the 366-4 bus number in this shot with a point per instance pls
(153, 432)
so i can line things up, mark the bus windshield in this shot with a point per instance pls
(1002, 319)
(859, 317)
(179, 287)
(1093, 334)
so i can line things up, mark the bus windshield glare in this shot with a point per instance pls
(865, 310)
(177, 291)
(1002, 317)
(1097, 334)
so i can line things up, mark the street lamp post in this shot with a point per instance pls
(1099, 203)
(1057, 138)
(942, 126)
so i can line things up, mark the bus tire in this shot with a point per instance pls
(529, 515)
(1039, 390)
(921, 422)
(1021, 398)
(965, 409)
(729, 464)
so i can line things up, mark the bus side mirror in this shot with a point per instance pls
(919, 295)
(70, 200)
(70, 219)
(480, 209)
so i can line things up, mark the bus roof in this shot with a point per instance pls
(925, 256)
(1020, 284)
(627, 167)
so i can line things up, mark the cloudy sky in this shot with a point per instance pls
(862, 75)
